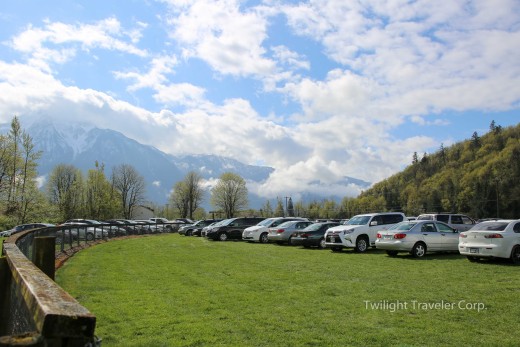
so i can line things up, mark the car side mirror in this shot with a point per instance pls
(455, 230)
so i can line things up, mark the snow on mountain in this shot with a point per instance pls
(82, 145)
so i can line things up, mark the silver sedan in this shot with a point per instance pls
(418, 237)
(283, 232)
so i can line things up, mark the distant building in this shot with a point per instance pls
(143, 212)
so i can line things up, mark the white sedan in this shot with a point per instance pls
(492, 239)
(418, 237)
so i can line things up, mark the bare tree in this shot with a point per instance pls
(131, 187)
(230, 194)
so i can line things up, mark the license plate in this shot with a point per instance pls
(387, 237)
(473, 250)
(332, 239)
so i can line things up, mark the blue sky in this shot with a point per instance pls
(315, 89)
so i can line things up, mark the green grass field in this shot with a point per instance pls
(171, 290)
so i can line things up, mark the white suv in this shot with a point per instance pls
(360, 232)
(258, 233)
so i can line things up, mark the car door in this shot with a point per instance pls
(431, 236)
(450, 237)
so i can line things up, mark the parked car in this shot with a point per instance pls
(83, 231)
(492, 239)
(418, 237)
(313, 235)
(458, 221)
(23, 227)
(195, 228)
(232, 228)
(283, 233)
(259, 232)
(360, 231)
(205, 230)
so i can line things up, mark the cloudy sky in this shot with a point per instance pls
(316, 89)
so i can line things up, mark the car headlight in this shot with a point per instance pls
(349, 231)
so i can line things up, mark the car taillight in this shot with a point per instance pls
(463, 236)
(378, 235)
(399, 236)
(494, 236)
(279, 231)
(305, 235)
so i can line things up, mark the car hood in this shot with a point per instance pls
(255, 228)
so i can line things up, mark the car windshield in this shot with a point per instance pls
(425, 217)
(286, 224)
(266, 222)
(358, 220)
(313, 227)
(491, 226)
(227, 222)
(403, 226)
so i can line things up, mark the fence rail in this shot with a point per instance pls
(34, 310)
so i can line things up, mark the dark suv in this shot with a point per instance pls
(232, 229)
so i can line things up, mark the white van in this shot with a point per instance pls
(360, 232)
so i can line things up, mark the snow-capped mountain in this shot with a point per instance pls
(82, 145)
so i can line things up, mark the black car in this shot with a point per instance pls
(195, 228)
(232, 229)
(313, 235)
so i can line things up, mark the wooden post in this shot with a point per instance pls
(5, 295)
(44, 254)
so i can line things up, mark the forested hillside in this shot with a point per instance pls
(479, 177)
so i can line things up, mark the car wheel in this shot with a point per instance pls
(361, 244)
(391, 253)
(419, 250)
(90, 237)
(337, 249)
(289, 241)
(264, 238)
(222, 237)
(515, 255)
(189, 233)
(473, 259)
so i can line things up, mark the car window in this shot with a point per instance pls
(516, 228)
(392, 218)
(444, 218)
(456, 220)
(428, 228)
(491, 226)
(467, 220)
(443, 228)
(358, 220)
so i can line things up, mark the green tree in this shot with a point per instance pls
(65, 189)
(103, 201)
(230, 194)
(279, 211)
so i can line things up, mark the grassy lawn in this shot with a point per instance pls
(171, 290)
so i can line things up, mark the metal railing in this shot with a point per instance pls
(34, 310)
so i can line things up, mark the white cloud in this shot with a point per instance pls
(105, 34)
(220, 33)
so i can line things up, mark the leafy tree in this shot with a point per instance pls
(290, 208)
(266, 210)
(131, 187)
(103, 201)
(65, 189)
(187, 195)
(279, 211)
(230, 194)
